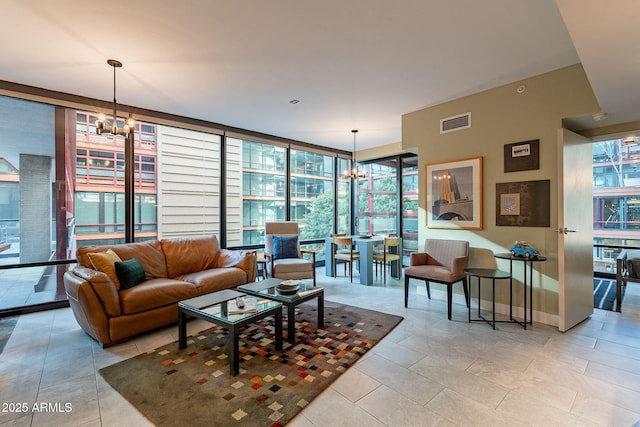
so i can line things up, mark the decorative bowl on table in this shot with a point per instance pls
(288, 287)
(364, 236)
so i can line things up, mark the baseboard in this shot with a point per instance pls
(503, 309)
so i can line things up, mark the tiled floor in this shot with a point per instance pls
(428, 371)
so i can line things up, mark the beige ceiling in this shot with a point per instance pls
(351, 63)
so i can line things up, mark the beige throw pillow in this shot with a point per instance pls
(105, 262)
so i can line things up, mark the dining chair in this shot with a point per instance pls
(284, 255)
(390, 253)
(443, 261)
(343, 250)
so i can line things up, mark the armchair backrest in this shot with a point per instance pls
(444, 252)
(342, 242)
(281, 228)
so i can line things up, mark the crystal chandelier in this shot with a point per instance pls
(354, 173)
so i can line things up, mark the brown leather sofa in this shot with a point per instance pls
(175, 269)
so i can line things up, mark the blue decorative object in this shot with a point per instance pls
(521, 249)
(285, 247)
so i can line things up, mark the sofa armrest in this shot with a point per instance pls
(87, 307)
(104, 288)
(418, 258)
(244, 260)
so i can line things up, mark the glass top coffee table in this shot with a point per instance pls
(267, 289)
(215, 307)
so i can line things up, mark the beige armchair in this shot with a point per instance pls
(284, 255)
(443, 261)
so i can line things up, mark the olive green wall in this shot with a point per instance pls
(500, 116)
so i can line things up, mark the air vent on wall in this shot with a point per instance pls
(458, 122)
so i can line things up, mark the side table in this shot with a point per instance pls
(487, 273)
(525, 282)
(261, 263)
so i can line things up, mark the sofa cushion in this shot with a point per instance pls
(190, 254)
(285, 247)
(130, 273)
(149, 253)
(215, 279)
(155, 293)
(105, 262)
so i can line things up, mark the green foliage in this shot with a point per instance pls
(318, 222)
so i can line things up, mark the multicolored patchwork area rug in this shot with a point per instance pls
(174, 387)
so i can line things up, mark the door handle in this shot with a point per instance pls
(565, 230)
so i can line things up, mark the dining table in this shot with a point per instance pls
(364, 245)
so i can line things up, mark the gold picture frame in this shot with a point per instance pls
(454, 194)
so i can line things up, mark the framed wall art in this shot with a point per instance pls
(522, 156)
(454, 194)
(523, 204)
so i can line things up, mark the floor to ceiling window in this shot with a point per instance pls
(30, 173)
(379, 207)
(256, 189)
(312, 197)
(410, 205)
(616, 201)
(189, 170)
(98, 174)
(377, 198)
(343, 199)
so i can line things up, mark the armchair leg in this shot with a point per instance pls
(426, 282)
(406, 291)
(449, 298)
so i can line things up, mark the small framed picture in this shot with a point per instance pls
(510, 204)
(522, 156)
(521, 150)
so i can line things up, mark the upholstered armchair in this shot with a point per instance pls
(443, 261)
(284, 255)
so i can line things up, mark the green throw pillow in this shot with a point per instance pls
(130, 273)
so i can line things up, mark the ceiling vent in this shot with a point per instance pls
(458, 122)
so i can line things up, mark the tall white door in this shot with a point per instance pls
(575, 228)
